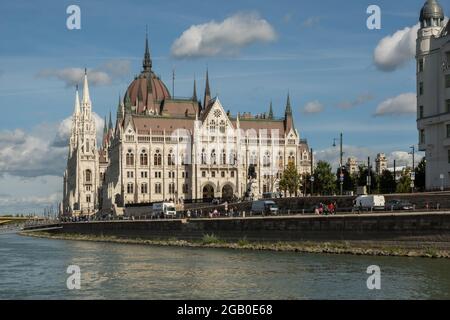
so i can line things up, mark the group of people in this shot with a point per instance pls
(323, 209)
(210, 213)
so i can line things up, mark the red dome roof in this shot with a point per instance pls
(149, 90)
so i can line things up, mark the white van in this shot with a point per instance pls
(264, 207)
(164, 210)
(370, 202)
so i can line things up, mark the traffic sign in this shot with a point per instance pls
(312, 178)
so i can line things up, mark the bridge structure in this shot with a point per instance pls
(11, 225)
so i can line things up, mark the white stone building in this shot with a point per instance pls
(81, 177)
(181, 149)
(380, 163)
(433, 94)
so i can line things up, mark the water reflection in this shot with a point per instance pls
(36, 268)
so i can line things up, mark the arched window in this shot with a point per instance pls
(171, 158)
(253, 158)
(87, 146)
(280, 160)
(266, 159)
(144, 158)
(130, 158)
(158, 188)
(157, 158)
(212, 126)
(291, 158)
(171, 188)
(213, 157)
(224, 157)
(130, 188)
(88, 176)
(222, 126)
(144, 188)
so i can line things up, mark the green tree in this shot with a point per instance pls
(290, 180)
(420, 175)
(404, 184)
(387, 182)
(362, 179)
(324, 179)
(348, 183)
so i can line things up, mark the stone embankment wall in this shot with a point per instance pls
(398, 227)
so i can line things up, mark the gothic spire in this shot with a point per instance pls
(76, 110)
(270, 110)
(207, 90)
(147, 63)
(105, 129)
(86, 98)
(119, 109)
(288, 105)
(194, 95)
(110, 125)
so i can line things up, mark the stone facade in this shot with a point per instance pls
(164, 148)
(433, 95)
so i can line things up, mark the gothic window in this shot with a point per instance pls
(171, 158)
(291, 158)
(130, 188)
(185, 188)
(280, 160)
(130, 158)
(158, 188)
(144, 188)
(157, 158)
(253, 158)
(266, 159)
(213, 157)
(171, 188)
(87, 145)
(144, 158)
(212, 126)
(224, 157)
(222, 126)
(88, 198)
(88, 176)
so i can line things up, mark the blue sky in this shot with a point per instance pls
(322, 54)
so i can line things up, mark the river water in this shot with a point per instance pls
(33, 268)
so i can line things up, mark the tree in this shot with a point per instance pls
(404, 184)
(362, 179)
(324, 179)
(348, 183)
(290, 180)
(387, 182)
(420, 175)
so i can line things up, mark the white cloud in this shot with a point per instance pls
(403, 104)
(223, 38)
(313, 107)
(31, 155)
(361, 99)
(396, 50)
(103, 75)
(331, 155)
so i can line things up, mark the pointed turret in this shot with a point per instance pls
(288, 121)
(86, 98)
(110, 125)
(194, 94)
(207, 91)
(270, 111)
(105, 128)
(119, 109)
(147, 62)
(76, 110)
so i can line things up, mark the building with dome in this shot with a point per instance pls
(163, 148)
(433, 94)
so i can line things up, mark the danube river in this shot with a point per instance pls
(32, 268)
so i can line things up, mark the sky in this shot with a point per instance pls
(341, 76)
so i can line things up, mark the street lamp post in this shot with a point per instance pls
(341, 154)
(413, 172)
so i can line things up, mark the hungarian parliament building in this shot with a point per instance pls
(163, 148)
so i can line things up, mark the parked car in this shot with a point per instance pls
(370, 202)
(396, 204)
(264, 207)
